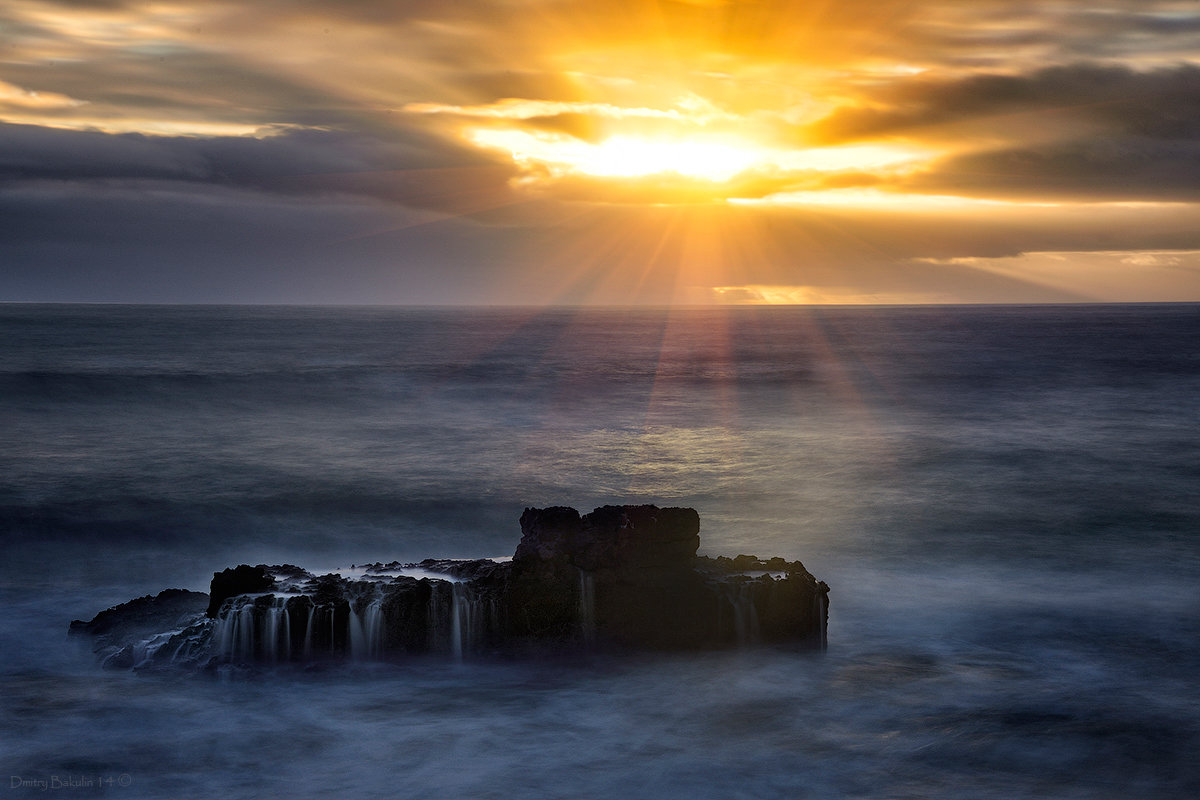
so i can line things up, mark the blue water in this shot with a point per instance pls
(1004, 501)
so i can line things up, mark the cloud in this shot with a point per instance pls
(513, 108)
(182, 243)
(14, 97)
(409, 168)
(1117, 169)
(1080, 132)
(332, 189)
(1103, 276)
(1017, 35)
(1163, 103)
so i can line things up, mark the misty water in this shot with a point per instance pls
(1004, 501)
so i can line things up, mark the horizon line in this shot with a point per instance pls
(597, 306)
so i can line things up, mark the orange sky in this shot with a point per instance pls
(533, 151)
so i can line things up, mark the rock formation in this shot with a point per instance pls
(129, 634)
(619, 578)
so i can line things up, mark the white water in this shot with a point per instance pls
(358, 638)
(366, 625)
(745, 616)
(469, 615)
(243, 636)
(460, 622)
(241, 633)
(373, 627)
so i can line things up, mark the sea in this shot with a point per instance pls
(1004, 500)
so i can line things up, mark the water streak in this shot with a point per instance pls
(745, 615)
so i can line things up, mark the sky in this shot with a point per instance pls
(569, 151)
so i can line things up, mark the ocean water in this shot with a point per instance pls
(1004, 500)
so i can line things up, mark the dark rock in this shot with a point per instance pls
(143, 615)
(406, 606)
(472, 570)
(242, 579)
(621, 577)
(611, 537)
(629, 576)
(744, 562)
(120, 633)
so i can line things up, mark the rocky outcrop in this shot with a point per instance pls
(609, 577)
(619, 578)
(242, 579)
(134, 633)
(627, 538)
(629, 576)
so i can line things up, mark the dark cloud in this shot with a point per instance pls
(1017, 33)
(161, 244)
(1125, 169)
(1136, 21)
(1084, 132)
(188, 243)
(373, 10)
(1164, 102)
(180, 84)
(1132, 31)
(411, 168)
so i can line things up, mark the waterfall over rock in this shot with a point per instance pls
(619, 578)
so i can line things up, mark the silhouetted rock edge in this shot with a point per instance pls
(621, 578)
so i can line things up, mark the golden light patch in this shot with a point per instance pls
(154, 127)
(624, 156)
(768, 295)
(712, 158)
(15, 96)
(874, 198)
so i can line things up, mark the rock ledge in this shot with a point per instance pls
(619, 578)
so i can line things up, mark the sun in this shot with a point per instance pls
(689, 150)
(630, 156)
(714, 159)
(716, 166)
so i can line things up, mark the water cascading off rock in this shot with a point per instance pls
(619, 578)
